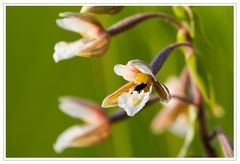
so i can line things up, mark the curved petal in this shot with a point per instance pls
(162, 91)
(112, 99)
(64, 50)
(80, 23)
(127, 72)
(65, 139)
(81, 136)
(82, 109)
(142, 67)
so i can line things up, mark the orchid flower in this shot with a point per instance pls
(178, 117)
(174, 115)
(95, 130)
(134, 95)
(110, 10)
(95, 39)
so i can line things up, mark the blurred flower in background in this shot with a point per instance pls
(174, 115)
(96, 129)
(95, 39)
(134, 95)
(178, 116)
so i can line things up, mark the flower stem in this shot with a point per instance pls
(204, 134)
(131, 21)
(162, 56)
(225, 143)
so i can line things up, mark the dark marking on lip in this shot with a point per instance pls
(140, 87)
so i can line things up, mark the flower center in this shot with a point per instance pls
(135, 99)
(140, 87)
(142, 78)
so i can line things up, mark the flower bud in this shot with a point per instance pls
(110, 10)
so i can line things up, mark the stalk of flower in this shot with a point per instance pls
(96, 129)
(133, 96)
(95, 39)
(106, 10)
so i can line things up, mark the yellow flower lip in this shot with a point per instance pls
(141, 80)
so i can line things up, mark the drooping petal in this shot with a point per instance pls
(65, 139)
(81, 136)
(162, 91)
(80, 23)
(112, 99)
(101, 9)
(64, 50)
(127, 72)
(82, 109)
(133, 102)
(82, 47)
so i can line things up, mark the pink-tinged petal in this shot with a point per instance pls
(81, 23)
(82, 109)
(127, 72)
(65, 139)
(168, 115)
(162, 91)
(96, 47)
(81, 136)
(82, 47)
(112, 99)
(175, 86)
(141, 66)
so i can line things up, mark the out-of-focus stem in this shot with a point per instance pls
(204, 134)
(131, 21)
(226, 145)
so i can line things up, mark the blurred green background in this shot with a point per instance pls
(34, 81)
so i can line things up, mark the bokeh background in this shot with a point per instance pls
(34, 81)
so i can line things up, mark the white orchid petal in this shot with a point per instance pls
(133, 102)
(142, 67)
(64, 50)
(65, 139)
(82, 109)
(180, 126)
(125, 71)
(78, 25)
